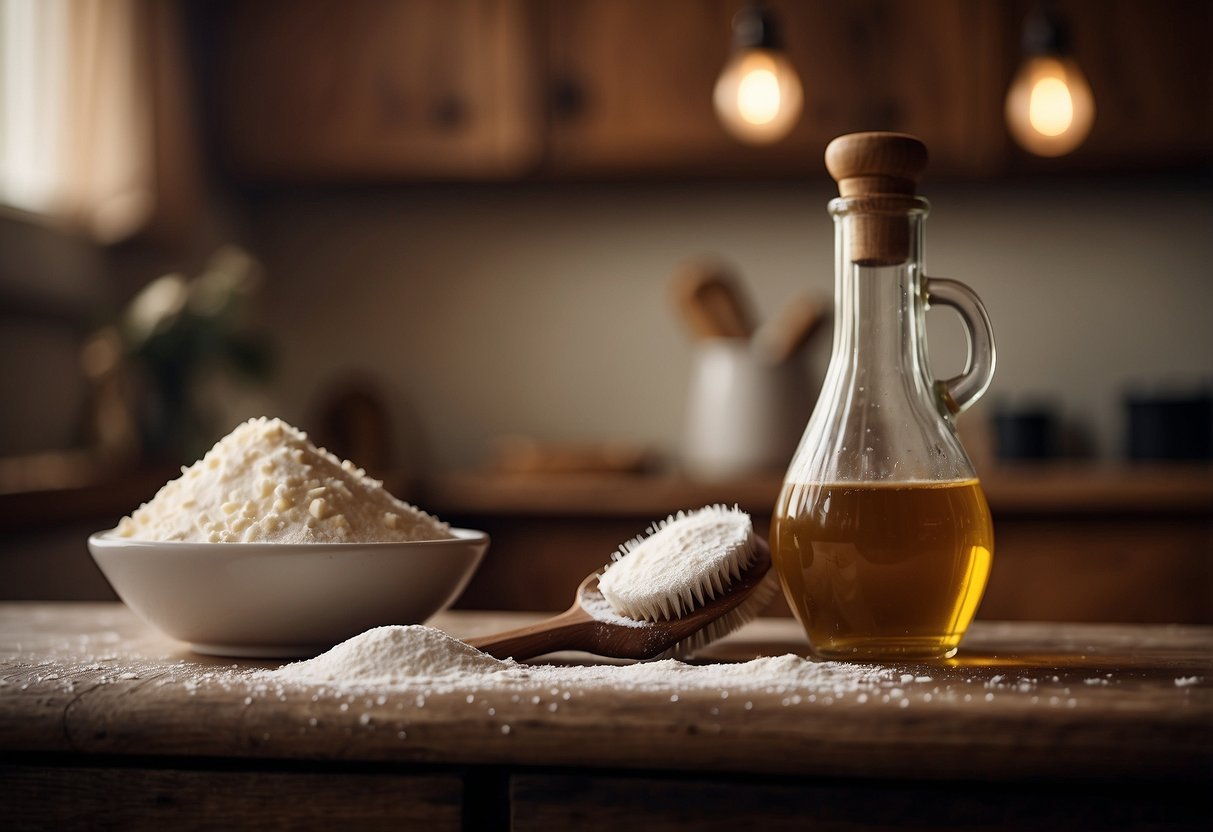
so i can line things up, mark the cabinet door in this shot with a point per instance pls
(630, 85)
(325, 89)
(925, 68)
(632, 82)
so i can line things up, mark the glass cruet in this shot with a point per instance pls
(882, 537)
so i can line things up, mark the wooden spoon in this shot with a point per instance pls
(614, 636)
(711, 302)
(801, 319)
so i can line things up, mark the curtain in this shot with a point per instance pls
(96, 126)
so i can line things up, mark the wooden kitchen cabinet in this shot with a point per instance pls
(421, 89)
(633, 83)
(330, 90)
(316, 90)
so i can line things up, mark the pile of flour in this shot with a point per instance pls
(266, 483)
(416, 655)
(395, 654)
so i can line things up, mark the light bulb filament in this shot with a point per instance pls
(1050, 107)
(758, 96)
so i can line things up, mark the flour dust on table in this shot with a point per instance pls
(415, 686)
(405, 656)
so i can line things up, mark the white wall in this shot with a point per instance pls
(542, 309)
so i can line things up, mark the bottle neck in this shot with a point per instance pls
(879, 308)
(879, 417)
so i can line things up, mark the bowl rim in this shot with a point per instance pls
(109, 539)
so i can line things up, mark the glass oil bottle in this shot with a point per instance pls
(882, 537)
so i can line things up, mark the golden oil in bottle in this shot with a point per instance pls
(876, 570)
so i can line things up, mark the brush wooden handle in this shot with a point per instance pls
(710, 302)
(571, 630)
(577, 629)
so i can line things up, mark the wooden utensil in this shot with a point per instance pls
(611, 635)
(711, 303)
(797, 323)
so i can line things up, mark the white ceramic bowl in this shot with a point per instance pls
(284, 600)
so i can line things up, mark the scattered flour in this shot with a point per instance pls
(689, 557)
(416, 655)
(266, 483)
(389, 680)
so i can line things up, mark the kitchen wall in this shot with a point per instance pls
(52, 291)
(542, 309)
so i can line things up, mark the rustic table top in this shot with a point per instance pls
(1022, 700)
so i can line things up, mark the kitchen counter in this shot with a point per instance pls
(1073, 542)
(1046, 488)
(1032, 724)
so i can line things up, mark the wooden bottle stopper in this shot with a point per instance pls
(878, 173)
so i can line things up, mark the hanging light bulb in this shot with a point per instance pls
(1050, 109)
(758, 96)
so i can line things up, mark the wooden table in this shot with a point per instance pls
(1035, 725)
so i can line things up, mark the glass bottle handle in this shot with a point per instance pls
(959, 392)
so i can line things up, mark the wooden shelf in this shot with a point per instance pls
(590, 495)
(75, 499)
(1074, 543)
(1085, 489)
(1031, 490)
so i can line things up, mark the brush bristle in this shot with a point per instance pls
(742, 614)
(681, 564)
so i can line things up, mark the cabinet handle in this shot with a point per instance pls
(567, 99)
(450, 112)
